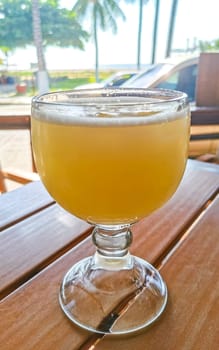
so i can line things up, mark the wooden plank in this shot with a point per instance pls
(2, 182)
(8, 122)
(32, 244)
(165, 226)
(20, 203)
(191, 319)
(20, 176)
(32, 316)
(42, 324)
(200, 115)
(200, 147)
(208, 136)
(204, 115)
(204, 129)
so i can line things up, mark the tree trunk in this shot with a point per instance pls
(139, 34)
(42, 75)
(156, 17)
(171, 27)
(96, 47)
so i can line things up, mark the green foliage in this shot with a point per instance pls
(102, 14)
(212, 45)
(15, 23)
(105, 12)
(60, 80)
(59, 26)
(66, 84)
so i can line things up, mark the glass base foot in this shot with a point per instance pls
(113, 301)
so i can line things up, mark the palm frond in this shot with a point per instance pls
(81, 8)
(101, 15)
(114, 8)
(106, 12)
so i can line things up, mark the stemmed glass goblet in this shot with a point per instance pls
(111, 157)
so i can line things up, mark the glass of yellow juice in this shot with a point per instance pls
(111, 157)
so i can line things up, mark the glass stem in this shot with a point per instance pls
(112, 243)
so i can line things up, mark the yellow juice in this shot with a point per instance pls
(111, 173)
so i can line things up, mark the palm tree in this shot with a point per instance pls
(102, 13)
(171, 27)
(140, 19)
(156, 17)
(42, 75)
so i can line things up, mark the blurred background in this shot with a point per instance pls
(80, 42)
(50, 45)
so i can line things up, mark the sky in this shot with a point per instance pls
(196, 19)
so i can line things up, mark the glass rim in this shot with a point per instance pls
(83, 97)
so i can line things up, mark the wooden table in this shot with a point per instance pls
(39, 242)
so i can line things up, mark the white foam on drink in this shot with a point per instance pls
(109, 112)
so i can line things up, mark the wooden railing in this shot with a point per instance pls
(12, 122)
(205, 116)
(200, 116)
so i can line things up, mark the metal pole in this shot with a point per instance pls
(157, 8)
